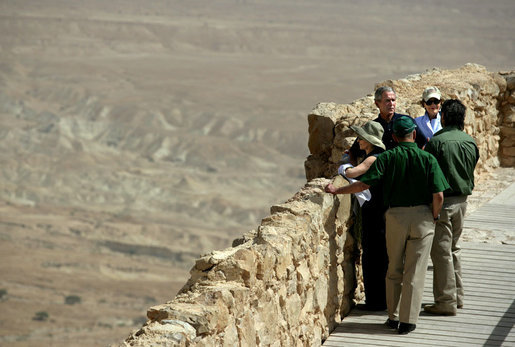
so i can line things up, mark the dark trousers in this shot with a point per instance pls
(375, 258)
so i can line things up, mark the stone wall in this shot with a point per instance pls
(286, 284)
(293, 279)
(489, 98)
(507, 121)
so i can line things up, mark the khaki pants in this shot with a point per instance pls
(409, 235)
(446, 254)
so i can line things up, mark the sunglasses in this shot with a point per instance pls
(432, 101)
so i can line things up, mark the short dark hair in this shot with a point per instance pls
(378, 95)
(453, 112)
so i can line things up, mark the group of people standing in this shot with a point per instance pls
(419, 173)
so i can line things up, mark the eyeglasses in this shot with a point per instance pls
(432, 101)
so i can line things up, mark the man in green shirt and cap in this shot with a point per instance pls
(413, 186)
(457, 154)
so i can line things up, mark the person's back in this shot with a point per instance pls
(411, 181)
(404, 171)
(457, 154)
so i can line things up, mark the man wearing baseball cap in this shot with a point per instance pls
(413, 185)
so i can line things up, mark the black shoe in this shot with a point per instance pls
(405, 328)
(392, 324)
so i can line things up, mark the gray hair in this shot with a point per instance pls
(379, 92)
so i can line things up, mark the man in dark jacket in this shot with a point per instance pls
(386, 101)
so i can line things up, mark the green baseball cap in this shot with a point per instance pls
(404, 125)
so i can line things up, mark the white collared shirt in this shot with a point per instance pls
(433, 124)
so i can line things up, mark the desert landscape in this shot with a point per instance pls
(137, 135)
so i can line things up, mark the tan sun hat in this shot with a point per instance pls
(431, 92)
(372, 132)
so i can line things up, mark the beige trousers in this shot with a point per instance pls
(409, 235)
(446, 254)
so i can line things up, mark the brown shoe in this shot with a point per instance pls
(435, 310)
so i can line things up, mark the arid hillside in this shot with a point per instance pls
(137, 135)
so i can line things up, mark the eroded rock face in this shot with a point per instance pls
(290, 281)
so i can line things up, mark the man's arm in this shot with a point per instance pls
(437, 205)
(355, 187)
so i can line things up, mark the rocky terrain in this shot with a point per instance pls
(136, 136)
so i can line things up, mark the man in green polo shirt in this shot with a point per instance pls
(457, 154)
(413, 186)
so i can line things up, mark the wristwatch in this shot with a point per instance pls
(437, 217)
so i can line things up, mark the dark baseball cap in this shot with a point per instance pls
(402, 126)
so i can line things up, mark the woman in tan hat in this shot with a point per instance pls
(429, 124)
(369, 139)
(374, 259)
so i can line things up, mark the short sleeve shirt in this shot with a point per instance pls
(408, 175)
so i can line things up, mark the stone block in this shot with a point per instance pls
(510, 81)
(509, 119)
(500, 81)
(230, 336)
(303, 275)
(203, 318)
(292, 309)
(490, 88)
(246, 329)
(511, 97)
(320, 291)
(240, 267)
(321, 133)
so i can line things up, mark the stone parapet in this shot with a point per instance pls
(507, 121)
(489, 98)
(286, 284)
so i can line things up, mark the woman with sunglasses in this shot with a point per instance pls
(429, 123)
